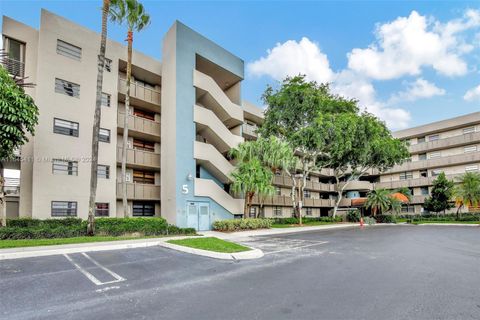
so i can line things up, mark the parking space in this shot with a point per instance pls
(375, 273)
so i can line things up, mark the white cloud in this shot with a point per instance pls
(417, 89)
(407, 44)
(472, 94)
(292, 58)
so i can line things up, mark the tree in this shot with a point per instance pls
(467, 192)
(291, 115)
(378, 200)
(96, 121)
(441, 195)
(354, 144)
(133, 14)
(18, 118)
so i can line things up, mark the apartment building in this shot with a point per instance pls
(186, 113)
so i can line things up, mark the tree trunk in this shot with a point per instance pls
(301, 200)
(125, 125)
(458, 211)
(96, 121)
(3, 203)
(249, 203)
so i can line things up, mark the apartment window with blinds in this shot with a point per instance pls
(424, 191)
(277, 211)
(145, 177)
(422, 156)
(68, 88)
(64, 209)
(470, 149)
(433, 137)
(308, 211)
(108, 65)
(307, 194)
(105, 99)
(278, 191)
(65, 167)
(420, 139)
(471, 168)
(104, 135)
(468, 130)
(69, 50)
(408, 208)
(143, 209)
(103, 171)
(253, 212)
(143, 145)
(102, 209)
(144, 114)
(406, 175)
(65, 127)
(434, 155)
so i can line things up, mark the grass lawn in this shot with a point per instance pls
(210, 244)
(305, 224)
(48, 242)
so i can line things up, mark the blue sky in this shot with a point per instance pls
(408, 62)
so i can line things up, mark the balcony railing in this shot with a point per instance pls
(139, 124)
(140, 191)
(140, 157)
(140, 92)
(249, 130)
(457, 159)
(450, 142)
(14, 67)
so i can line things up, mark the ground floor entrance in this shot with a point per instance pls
(198, 215)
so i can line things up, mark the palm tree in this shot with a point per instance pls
(96, 121)
(467, 192)
(133, 14)
(379, 200)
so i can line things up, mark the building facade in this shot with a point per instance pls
(186, 113)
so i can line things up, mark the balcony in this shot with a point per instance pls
(457, 159)
(14, 67)
(357, 186)
(464, 139)
(140, 127)
(418, 199)
(310, 185)
(140, 158)
(249, 131)
(140, 191)
(140, 95)
(411, 183)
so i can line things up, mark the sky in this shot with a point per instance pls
(408, 62)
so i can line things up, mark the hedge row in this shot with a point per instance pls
(242, 224)
(443, 217)
(73, 227)
(306, 220)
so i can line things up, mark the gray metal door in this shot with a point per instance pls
(192, 216)
(203, 217)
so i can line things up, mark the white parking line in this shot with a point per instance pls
(90, 276)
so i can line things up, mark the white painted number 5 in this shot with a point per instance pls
(185, 189)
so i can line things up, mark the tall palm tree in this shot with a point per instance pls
(379, 200)
(96, 120)
(467, 192)
(132, 13)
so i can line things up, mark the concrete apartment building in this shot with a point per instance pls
(186, 113)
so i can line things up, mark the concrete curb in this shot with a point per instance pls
(449, 224)
(245, 255)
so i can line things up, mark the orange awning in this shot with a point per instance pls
(400, 196)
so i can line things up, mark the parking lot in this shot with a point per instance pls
(391, 272)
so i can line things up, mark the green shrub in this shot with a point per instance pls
(242, 224)
(387, 218)
(306, 220)
(369, 220)
(353, 215)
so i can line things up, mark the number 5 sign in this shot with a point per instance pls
(185, 189)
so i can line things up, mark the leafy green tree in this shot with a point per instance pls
(379, 200)
(96, 120)
(292, 110)
(354, 144)
(18, 118)
(132, 13)
(441, 195)
(467, 192)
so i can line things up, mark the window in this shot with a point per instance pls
(68, 88)
(422, 156)
(406, 175)
(421, 139)
(145, 177)
(15, 60)
(104, 135)
(253, 212)
(277, 211)
(64, 209)
(468, 130)
(471, 168)
(423, 173)
(470, 149)
(65, 167)
(434, 155)
(408, 208)
(69, 50)
(308, 211)
(143, 145)
(436, 172)
(144, 84)
(433, 137)
(103, 171)
(278, 191)
(424, 191)
(105, 99)
(308, 178)
(108, 65)
(144, 114)
(306, 194)
(102, 209)
(143, 209)
(65, 127)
